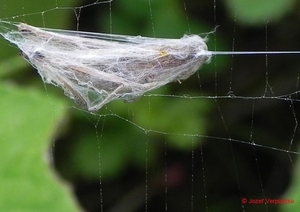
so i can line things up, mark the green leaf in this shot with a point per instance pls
(258, 12)
(12, 65)
(28, 122)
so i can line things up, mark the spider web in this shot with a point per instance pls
(227, 133)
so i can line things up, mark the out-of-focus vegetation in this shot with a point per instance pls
(128, 151)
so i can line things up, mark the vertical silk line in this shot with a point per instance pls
(267, 62)
(151, 17)
(187, 17)
(232, 56)
(110, 17)
(215, 48)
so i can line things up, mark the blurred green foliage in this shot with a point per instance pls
(27, 127)
(257, 12)
(110, 154)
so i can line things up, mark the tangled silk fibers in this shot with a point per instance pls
(94, 69)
